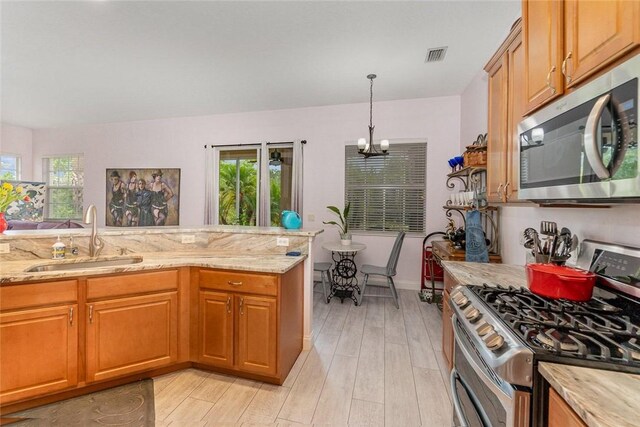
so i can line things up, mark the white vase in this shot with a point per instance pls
(345, 239)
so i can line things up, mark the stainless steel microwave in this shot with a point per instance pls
(584, 147)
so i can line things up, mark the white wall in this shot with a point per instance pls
(178, 143)
(18, 140)
(618, 224)
(474, 110)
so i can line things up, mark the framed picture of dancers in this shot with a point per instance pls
(142, 197)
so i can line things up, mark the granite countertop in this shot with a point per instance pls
(123, 231)
(601, 398)
(474, 273)
(14, 271)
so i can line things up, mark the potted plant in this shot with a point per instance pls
(345, 236)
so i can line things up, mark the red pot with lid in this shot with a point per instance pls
(560, 282)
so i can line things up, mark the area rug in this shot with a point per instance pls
(127, 405)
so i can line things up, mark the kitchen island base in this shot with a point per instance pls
(264, 333)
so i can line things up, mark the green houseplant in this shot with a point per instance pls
(343, 225)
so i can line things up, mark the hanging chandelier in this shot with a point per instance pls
(367, 149)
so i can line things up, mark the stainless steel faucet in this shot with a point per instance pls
(95, 243)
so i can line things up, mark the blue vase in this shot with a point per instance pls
(291, 220)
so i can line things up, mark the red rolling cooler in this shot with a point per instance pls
(431, 271)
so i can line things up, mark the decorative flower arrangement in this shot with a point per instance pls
(8, 195)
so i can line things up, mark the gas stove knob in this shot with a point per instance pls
(485, 329)
(460, 299)
(494, 341)
(472, 314)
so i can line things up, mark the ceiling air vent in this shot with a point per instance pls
(436, 54)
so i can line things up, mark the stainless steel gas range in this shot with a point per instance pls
(502, 333)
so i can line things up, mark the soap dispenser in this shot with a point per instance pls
(58, 249)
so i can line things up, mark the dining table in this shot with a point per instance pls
(344, 283)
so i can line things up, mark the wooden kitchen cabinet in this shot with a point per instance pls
(249, 323)
(216, 329)
(58, 337)
(506, 107)
(447, 327)
(128, 333)
(254, 331)
(561, 414)
(38, 339)
(257, 334)
(568, 41)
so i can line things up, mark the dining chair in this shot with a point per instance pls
(388, 271)
(323, 268)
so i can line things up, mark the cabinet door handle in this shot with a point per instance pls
(553, 89)
(499, 191)
(564, 68)
(507, 193)
(241, 305)
(228, 304)
(71, 315)
(90, 314)
(229, 282)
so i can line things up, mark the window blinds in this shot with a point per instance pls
(387, 193)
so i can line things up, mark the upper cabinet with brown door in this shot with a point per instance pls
(568, 41)
(506, 107)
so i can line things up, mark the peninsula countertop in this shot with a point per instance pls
(14, 271)
(601, 398)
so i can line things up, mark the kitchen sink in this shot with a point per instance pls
(84, 264)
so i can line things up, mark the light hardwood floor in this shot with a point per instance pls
(372, 365)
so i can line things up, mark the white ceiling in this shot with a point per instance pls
(66, 63)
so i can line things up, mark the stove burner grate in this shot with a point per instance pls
(558, 340)
(594, 330)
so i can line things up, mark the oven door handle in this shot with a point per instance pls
(474, 400)
(457, 406)
(591, 149)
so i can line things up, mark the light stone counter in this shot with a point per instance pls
(601, 398)
(14, 271)
(123, 231)
(474, 273)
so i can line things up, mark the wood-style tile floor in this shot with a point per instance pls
(371, 365)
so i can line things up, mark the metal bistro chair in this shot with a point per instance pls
(389, 271)
(325, 279)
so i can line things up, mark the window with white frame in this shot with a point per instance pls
(65, 179)
(387, 193)
(10, 167)
(251, 184)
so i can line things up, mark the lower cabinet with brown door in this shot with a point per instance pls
(215, 338)
(131, 323)
(560, 413)
(249, 323)
(58, 338)
(447, 313)
(257, 334)
(38, 339)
